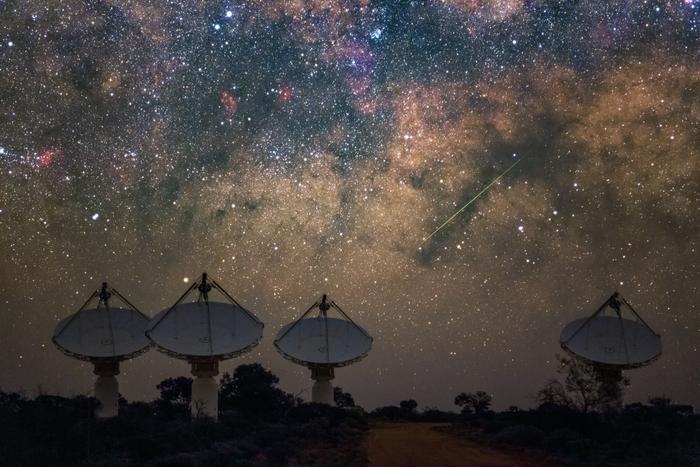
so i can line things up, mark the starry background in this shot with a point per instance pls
(301, 147)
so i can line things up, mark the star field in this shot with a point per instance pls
(302, 147)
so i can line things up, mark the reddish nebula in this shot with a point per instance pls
(285, 95)
(229, 103)
(48, 156)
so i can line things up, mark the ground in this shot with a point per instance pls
(418, 444)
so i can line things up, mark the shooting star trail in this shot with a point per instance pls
(484, 190)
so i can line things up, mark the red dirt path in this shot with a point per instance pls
(420, 444)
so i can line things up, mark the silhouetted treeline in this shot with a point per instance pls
(640, 434)
(407, 410)
(259, 424)
(580, 421)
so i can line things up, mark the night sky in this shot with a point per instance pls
(291, 149)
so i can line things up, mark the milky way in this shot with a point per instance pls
(296, 148)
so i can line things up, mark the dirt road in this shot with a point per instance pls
(419, 444)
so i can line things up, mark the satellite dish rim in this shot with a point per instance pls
(300, 361)
(179, 354)
(83, 356)
(192, 357)
(86, 358)
(623, 366)
(565, 344)
(316, 364)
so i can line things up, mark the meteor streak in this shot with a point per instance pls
(484, 190)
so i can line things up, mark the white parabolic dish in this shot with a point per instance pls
(305, 343)
(102, 333)
(612, 341)
(204, 329)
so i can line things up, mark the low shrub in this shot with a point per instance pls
(522, 435)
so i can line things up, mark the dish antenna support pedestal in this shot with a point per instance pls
(322, 390)
(205, 389)
(107, 387)
(610, 378)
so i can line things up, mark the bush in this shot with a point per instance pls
(58, 431)
(579, 448)
(493, 426)
(522, 435)
(557, 439)
(389, 412)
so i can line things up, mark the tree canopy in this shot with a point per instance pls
(586, 387)
(252, 391)
(477, 402)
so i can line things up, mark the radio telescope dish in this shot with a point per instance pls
(104, 336)
(204, 332)
(612, 343)
(205, 329)
(322, 343)
(612, 340)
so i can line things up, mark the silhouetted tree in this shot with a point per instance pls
(176, 390)
(390, 412)
(586, 387)
(342, 399)
(610, 389)
(554, 394)
(408, 406)
(476, 403)
(252, 391)
(10, 402)
(175, 396)
(660, 402)
(580, 383)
